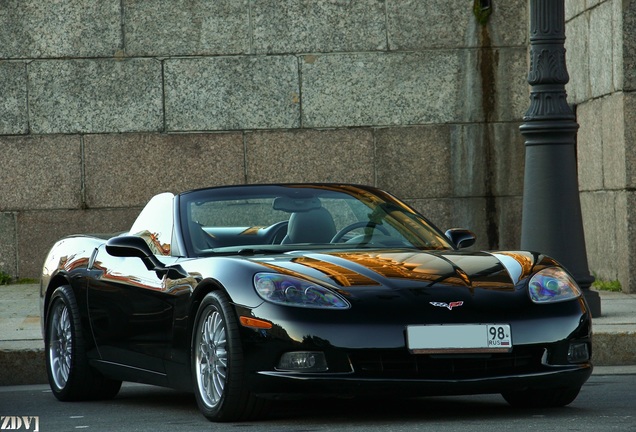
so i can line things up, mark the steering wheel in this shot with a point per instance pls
(278, 232)
(357, 225)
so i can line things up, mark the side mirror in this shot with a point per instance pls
(462, 238)
(129, 246)
(133, 246)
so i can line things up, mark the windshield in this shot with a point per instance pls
(245, 219)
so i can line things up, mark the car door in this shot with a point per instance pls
(131, 308)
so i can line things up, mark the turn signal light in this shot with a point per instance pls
(255, 323)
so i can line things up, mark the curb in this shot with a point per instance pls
(22, 367)
(614, 349)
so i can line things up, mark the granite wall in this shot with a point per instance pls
(601, 59)
(105, 103)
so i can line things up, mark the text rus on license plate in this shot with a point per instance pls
(458, 338)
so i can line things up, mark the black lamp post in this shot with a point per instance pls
(551, 221)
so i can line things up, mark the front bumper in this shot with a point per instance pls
(281, 384)
(370, 356)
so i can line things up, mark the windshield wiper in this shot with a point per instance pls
(254, 251)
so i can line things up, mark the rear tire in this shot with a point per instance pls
(544, 398)
(218, 365)
(70, 376)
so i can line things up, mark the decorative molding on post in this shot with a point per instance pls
(548, 65)
(552, 222)
(548, 73)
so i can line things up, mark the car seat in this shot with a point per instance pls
(313, 226)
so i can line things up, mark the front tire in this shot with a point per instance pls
(544, 398)
(70, 376)
(218, 365)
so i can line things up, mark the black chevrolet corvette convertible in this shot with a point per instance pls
(244, 294)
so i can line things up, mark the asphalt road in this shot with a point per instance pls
(606, 403)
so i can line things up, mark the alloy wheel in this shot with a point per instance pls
(211, 358)
(61, 344)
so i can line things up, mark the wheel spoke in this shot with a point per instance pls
(219, 385)
(222, 360)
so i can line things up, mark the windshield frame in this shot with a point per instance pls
(426, 235)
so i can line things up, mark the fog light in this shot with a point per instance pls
(578, 352)
(303, 361)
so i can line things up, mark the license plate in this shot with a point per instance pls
(462, 338)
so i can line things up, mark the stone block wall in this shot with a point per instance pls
(107, 103)
(601, 58)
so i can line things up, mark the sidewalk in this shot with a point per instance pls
(22, 348)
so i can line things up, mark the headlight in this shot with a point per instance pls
(291, 291)
(552, 285)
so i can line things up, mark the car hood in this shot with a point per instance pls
(351, 270)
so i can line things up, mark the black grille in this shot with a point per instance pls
(402, 364)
